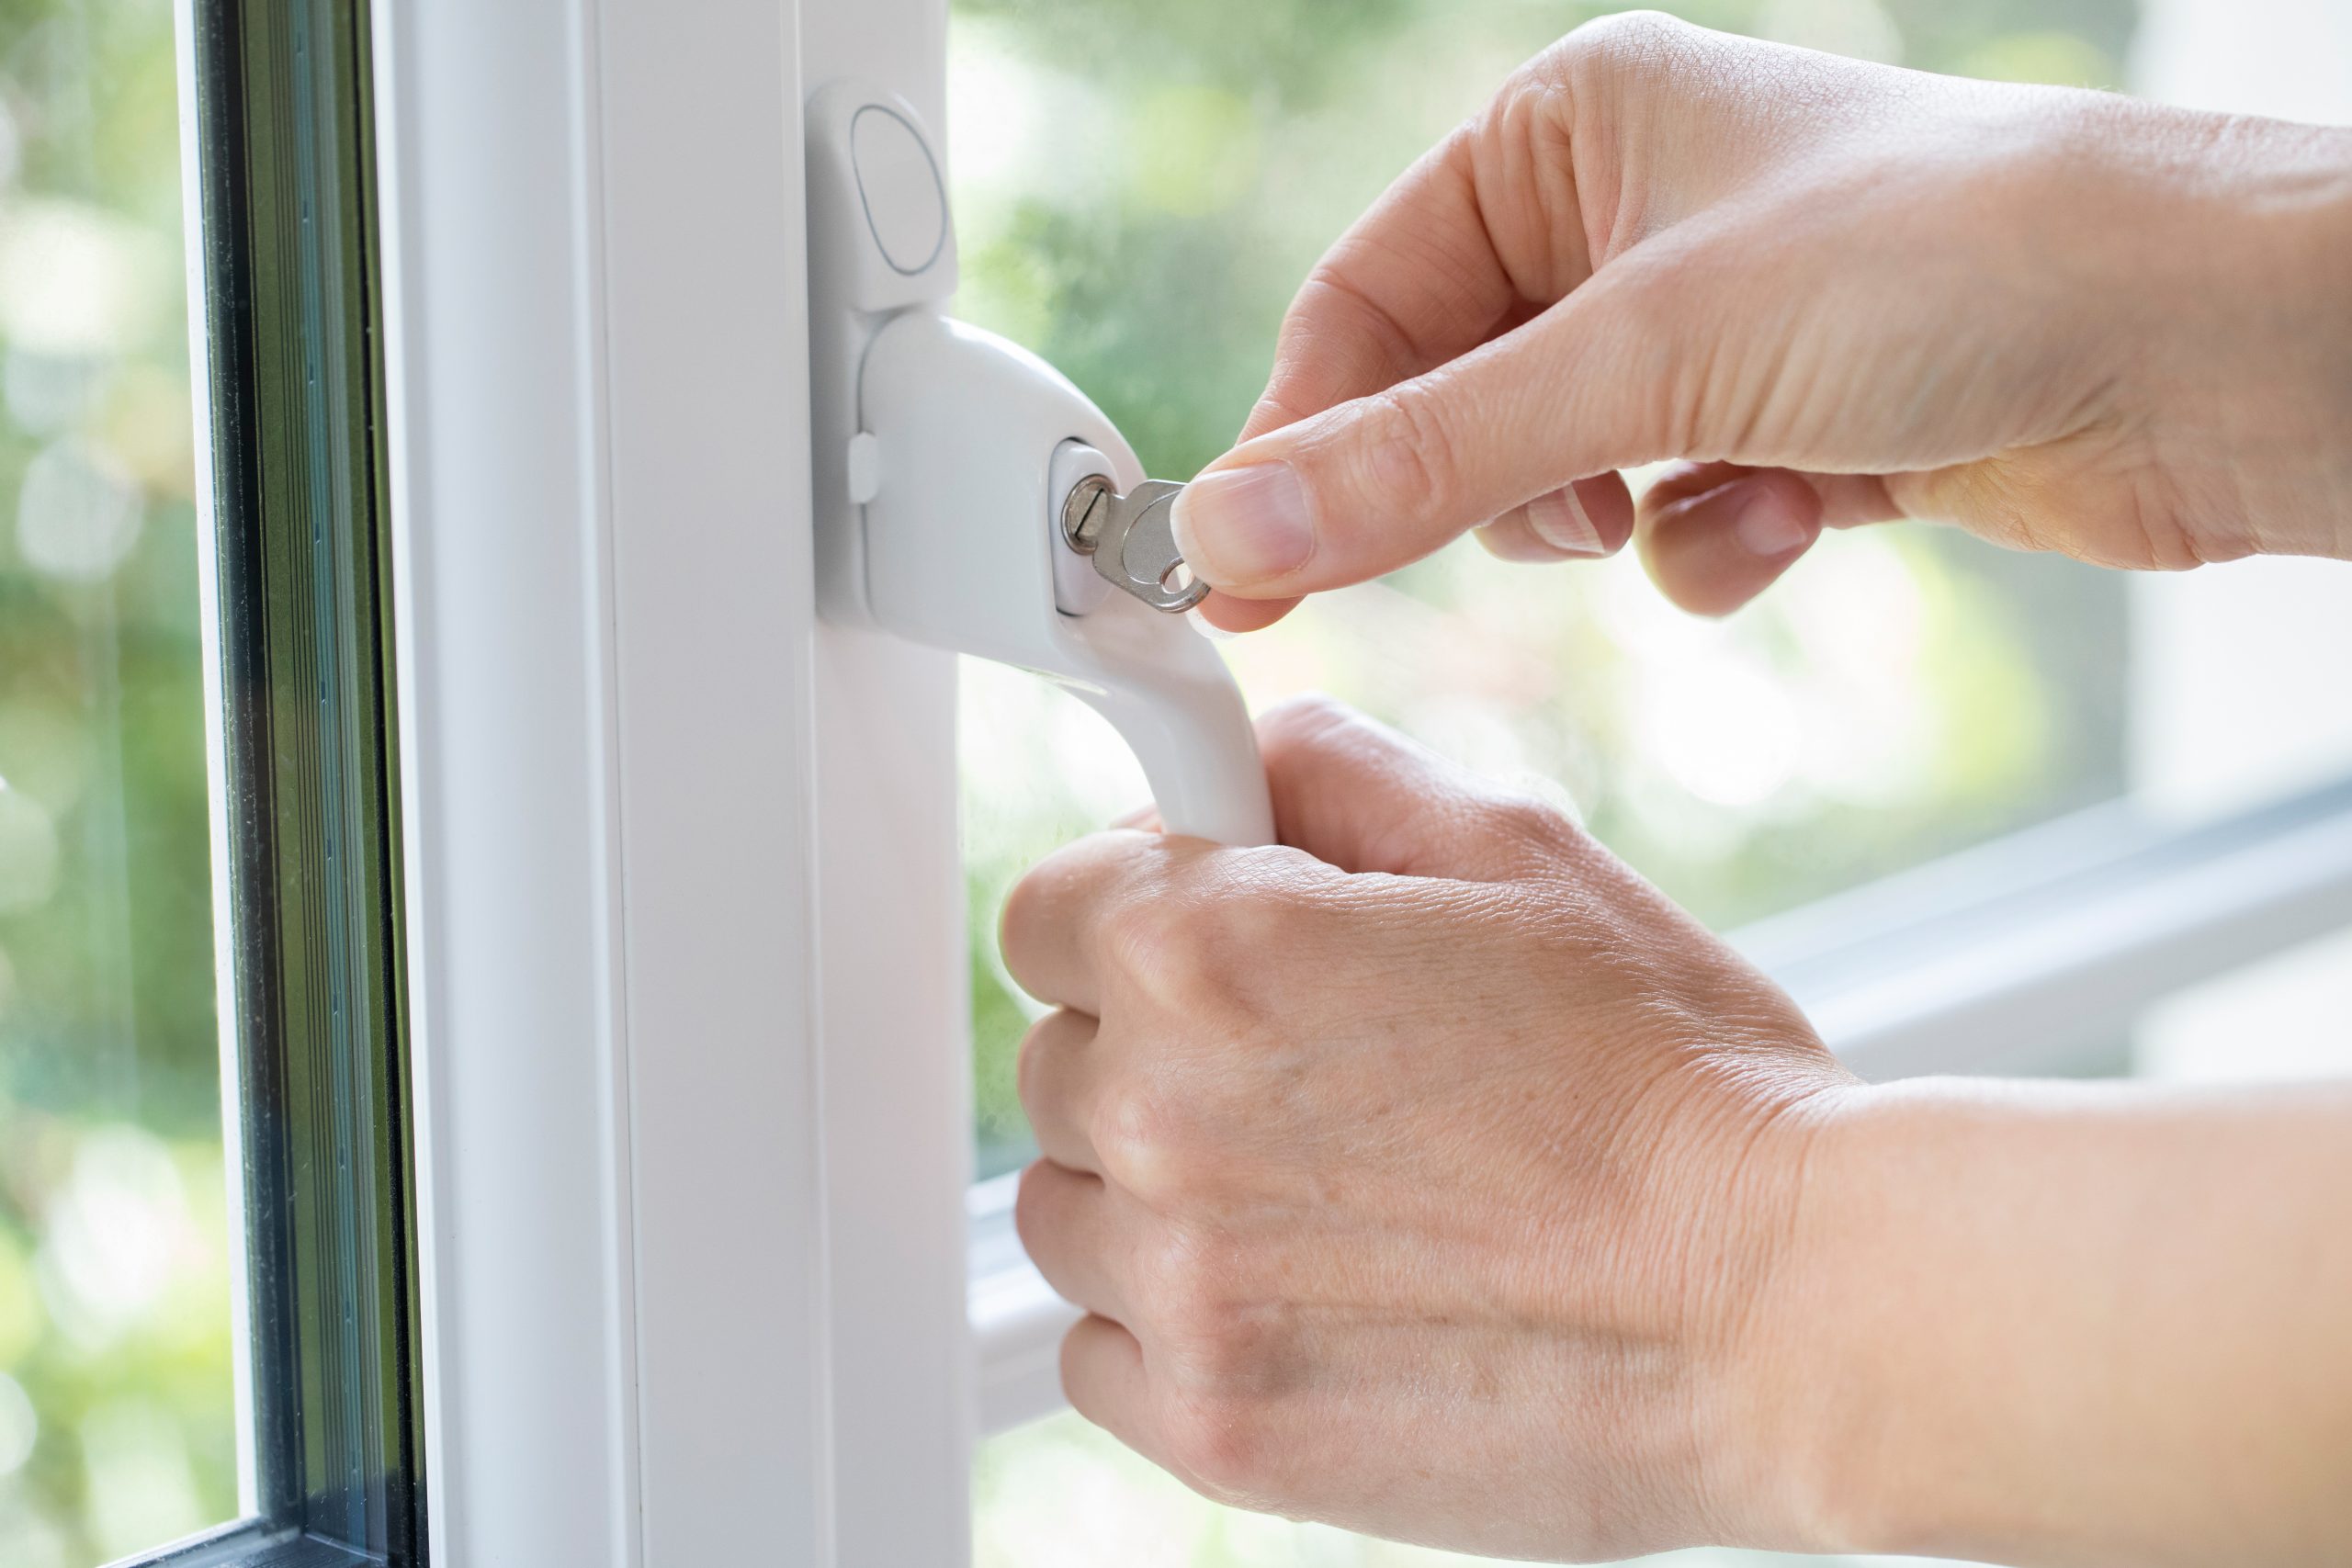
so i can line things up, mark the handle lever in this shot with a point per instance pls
(946, 460)
(963, 536)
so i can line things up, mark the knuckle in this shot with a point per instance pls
(1221, 1446)
(1626, 40)
(1167, 943)
(1538, 825)
(1668, 345)
(1263, 917)
(1411, 453)
(1146, 1140)
(1026, 1060)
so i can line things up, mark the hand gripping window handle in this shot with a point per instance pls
(970, 498)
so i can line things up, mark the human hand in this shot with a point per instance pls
(1836, 293)
(1429, 1175)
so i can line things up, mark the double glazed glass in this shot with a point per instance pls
(286, 164)
(206, 1296)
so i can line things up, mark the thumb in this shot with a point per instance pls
(1374, 483)
(1358, 796)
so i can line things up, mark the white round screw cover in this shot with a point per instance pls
(899, 181)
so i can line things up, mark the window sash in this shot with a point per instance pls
(2010, 957)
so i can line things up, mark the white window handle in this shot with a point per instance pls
(944, 455)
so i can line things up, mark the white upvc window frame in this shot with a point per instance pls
(690, 1181)
(686, 960)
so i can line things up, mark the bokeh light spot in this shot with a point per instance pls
(19, 1426)
(1192, 150)
(141, 1487)
(77, 513)
(1724, 733)
(76, 280)
(28, 851)
(117, 1232)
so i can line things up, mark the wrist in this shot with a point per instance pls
(1775, 1442)
(2064, 1323)
(1926, 1238)
(2258, 372)
(1885, 1364)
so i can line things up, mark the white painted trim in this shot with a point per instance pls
(703, 316)
(896, 1006)
(1016, 1320)
(691, 1177)
(491, 366)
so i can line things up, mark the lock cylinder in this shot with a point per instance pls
(1131, 541)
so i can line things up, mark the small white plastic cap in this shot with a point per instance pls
(905, 208)
(877, 205)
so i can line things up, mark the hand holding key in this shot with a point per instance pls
(1128, 538)
(1837, 293)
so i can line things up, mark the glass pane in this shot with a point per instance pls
(1901, 693)
(312, 861)
(118, 1411)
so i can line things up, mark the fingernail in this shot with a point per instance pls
(1209, 628)
(1765, 527)
(1559, 519)
(1241, 527)
(1517, 545)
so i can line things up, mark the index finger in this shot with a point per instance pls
(1415, 281)
(1052, 932)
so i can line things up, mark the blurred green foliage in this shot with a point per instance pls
(117, 1424)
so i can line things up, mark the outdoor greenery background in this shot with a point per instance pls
(1141, 186)
(115, 1419)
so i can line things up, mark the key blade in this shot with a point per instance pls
(1137, 553)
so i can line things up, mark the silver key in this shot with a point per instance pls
(1130, 541)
